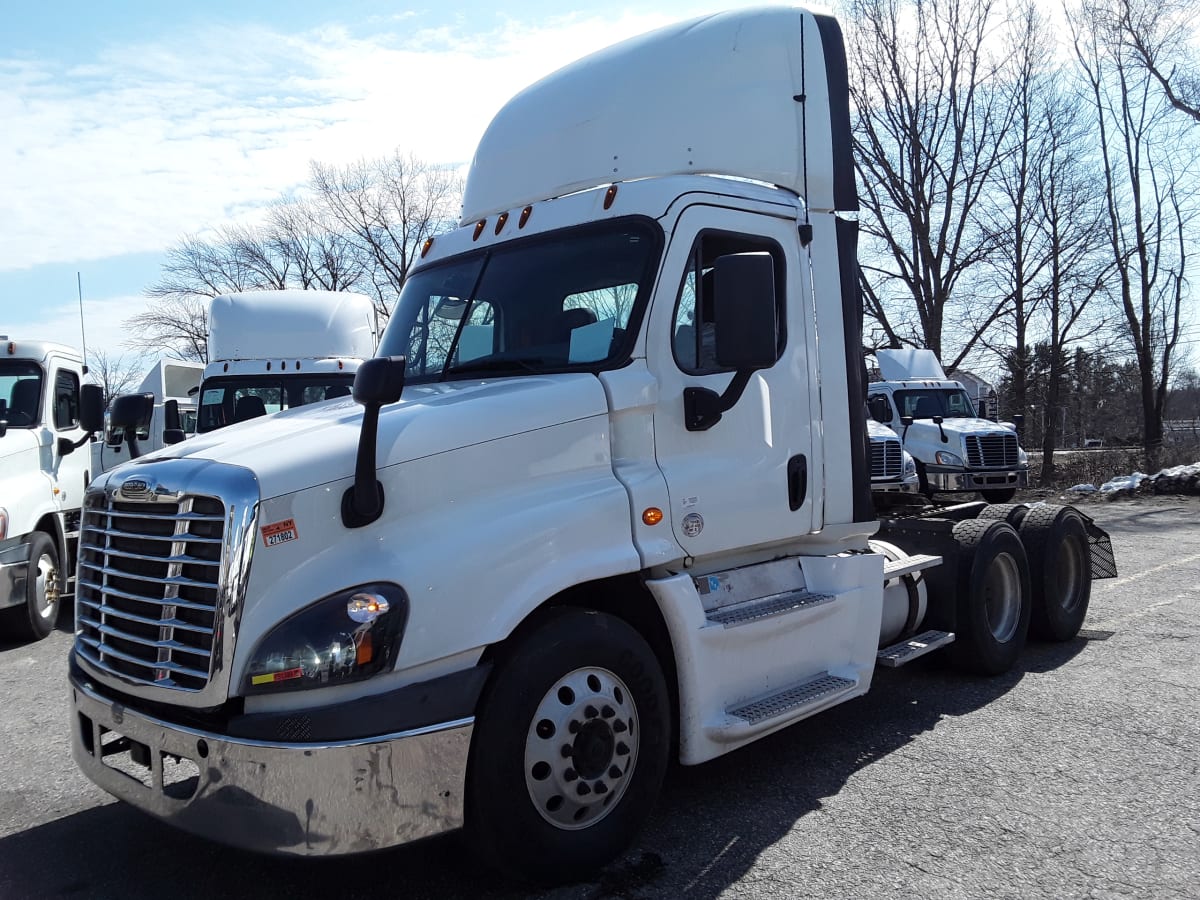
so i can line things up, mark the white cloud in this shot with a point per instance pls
(147, 142)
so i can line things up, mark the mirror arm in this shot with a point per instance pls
(362, 503)
(703, 408)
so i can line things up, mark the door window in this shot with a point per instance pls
(66, 400)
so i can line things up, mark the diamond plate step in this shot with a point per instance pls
(775, 605)
(807, 693)
(914, 647)
(894, 568)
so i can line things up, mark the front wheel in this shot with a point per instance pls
(569, 748)
(35, 618)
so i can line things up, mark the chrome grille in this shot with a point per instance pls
(886, 461)
(992, 451)
(148, 588)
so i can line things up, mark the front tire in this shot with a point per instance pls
(35, 618)
(993, 597)
(569, 749)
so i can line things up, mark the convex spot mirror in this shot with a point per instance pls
(744, 309)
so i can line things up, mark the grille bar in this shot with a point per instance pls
(167, 538)
(179, 580)
(170, 666)
(886, 459)
(153, 601)
(182, 517)
(176, 558)
(142, 620)
(110, 631)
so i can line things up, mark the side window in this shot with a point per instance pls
(66, 400)
(478, 337)
(694, 336)
(881, 407)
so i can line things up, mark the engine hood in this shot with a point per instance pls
(962, 427)
(316, 444)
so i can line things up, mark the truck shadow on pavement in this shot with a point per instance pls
(711, 824)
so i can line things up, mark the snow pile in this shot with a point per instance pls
(1175, 480)
(1123, 483)
(1082, 489)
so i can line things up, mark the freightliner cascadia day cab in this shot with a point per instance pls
(602, 497)
(47, 414)
(168, 400)
(956, 451)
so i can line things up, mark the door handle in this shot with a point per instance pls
(797, 476)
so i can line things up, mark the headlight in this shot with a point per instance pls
(946, 458)
(1022, 457)
(347, 637)
(910, 466)
(3, 523)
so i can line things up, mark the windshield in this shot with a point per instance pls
(20, 393)
(555, 303)
(224, 401)
(925, 403)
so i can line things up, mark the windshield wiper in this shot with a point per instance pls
(497, 364)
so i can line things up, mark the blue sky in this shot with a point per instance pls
(128, 125)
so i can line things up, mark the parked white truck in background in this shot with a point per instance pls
(893, 469)
(607, 497)
(171, 386)
(43, 472)
(956, 451)
(274, 350)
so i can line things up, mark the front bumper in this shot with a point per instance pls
(305, 799)
(911, 486)
(14, 571)
(979, 480)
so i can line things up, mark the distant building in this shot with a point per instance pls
(981, 392)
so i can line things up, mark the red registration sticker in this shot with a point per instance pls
(280, 533)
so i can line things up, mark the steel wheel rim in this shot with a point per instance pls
(1002, 597)
(45, 589)
(581, 748)
(1068, 572)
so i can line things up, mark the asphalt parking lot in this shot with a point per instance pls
(1075, 775)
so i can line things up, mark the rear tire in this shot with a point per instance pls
(1056, 542)
(569, 749)
(1012, 513)
(35, 618)
(993, 597)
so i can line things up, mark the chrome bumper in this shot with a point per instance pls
(895, 487)
(14, 570)
(958, 480)
(318, 799)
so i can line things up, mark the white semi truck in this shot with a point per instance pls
(893, 469)
(955, 450)
(275, 350)
(44, 468)
(603, 497)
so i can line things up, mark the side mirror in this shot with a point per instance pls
(172, 424)
(377, 382)
(880, 409)
(747, 333)
(744, 311)
(133, 413)
(91, 408)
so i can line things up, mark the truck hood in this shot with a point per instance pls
(316, 444)
(962, 426)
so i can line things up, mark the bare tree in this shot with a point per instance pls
(1146, 159)
(115, 374)
(1160, 36)
(928, 140)
(176, 326)
(321, 256)
(389, 207)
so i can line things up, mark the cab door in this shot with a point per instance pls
(748, 479)
(68, 471)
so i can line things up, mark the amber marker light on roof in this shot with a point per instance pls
(610, 195)
(426, 248)
(652, 515)
(500, 222)
(479, 229)
(525, 213)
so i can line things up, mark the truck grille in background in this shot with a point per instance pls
(146, 596)
(885, 460)
(992, 451)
